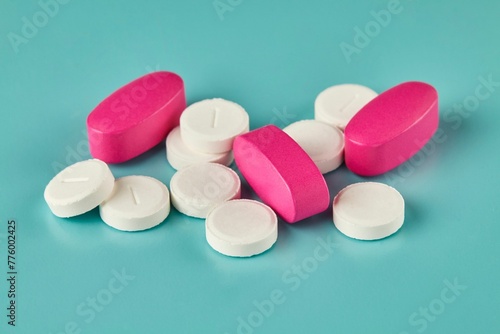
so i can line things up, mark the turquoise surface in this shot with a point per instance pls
(438, 274)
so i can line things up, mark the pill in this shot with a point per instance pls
(79, 188)
(136, 117)
(179, 155)
(323, 143)
(368, 211)
(241, 228)
(210, 126)
(281, 173)
(137, 203)
(336, 105)
(391, 128)
(199, 188)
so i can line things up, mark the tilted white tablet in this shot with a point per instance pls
(323, 143)
(179, 155)
(241, 228)
(336, 105)
(210, 126)
(79, 188)
(137, 203)
(368, 211)
(199, 188)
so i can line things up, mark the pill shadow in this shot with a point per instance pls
(448, 132)
(148, 158)
(89, 230)
(233, 269)
(444, 138)
(339, 179)
(247, 192)
(415, 218)
(315, 222)
(91, 217)
(69, 231)
(362, 250)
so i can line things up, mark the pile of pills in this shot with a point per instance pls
(372, 133)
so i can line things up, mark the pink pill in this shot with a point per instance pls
(391, 128)
(136, 117)
(281, 173)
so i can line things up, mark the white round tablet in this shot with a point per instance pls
(323, 143)
(368, 210)
(79, 188)
(137, 203)
(336, 105)
(210, 126)
(241, 228)
(179, 155)
(199, 188)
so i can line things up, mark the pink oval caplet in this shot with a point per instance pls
(136, 117)
(391, 128)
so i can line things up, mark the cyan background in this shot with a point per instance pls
(273, 58)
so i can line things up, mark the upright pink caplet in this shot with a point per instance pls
(281, 173)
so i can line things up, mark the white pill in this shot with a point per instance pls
(179, 155)
(79, 188)
(241, 228)
(199, 188)
(323, 143)
(368, 211)
(137, 203)
(210, 126)
(336, 105)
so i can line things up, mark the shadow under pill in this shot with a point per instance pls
(339, 179)
(367, 251)
(138, 239)
(90, 217)
(247, 192)
(283, 234)
(70, 230)
(314, 222)
(156, 152)
(413, 218)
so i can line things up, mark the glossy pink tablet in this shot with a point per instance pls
(391, 128)
(281, 173)
(136, 117)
